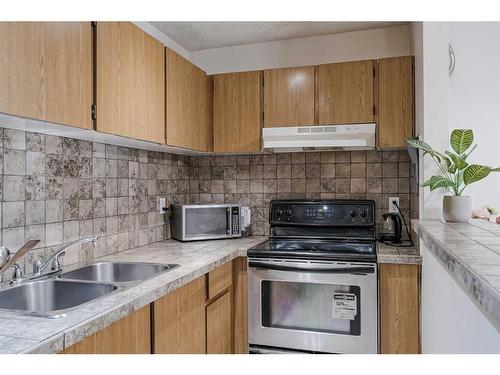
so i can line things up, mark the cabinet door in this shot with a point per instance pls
(130, 335)
(289, 97)
(188, 123)
(46, 71)
(86, 346)
(219, 280)
(219, 325)
(179, 320)
(395, 101)
(345, 93)
(399, 308)
(240, 305)
(130, 82)
(237, 112)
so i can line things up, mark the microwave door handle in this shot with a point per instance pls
(336, 270)
(228, 221)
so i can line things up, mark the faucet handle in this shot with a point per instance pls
(17, 273)
(56, 265)
(37, 265)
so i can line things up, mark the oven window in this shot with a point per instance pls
(311, 307)
(206, 221)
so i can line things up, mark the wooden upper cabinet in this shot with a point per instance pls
(237, 112)
(395, 101)
(46, 71)
(345, 93)
(130, 82)
(289, 97)
(188, 104)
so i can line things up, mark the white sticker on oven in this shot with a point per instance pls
(344, 306)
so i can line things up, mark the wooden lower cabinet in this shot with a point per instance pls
(207, 315)
(399, 295)
(240, 306)
(219, 280)
(179, 320)
(130, 335)
(219, 325)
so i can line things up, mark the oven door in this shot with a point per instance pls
(318, 306)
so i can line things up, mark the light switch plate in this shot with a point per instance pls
(392, 207)
(162, 206)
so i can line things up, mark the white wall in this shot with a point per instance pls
(429, 42)
(357, 45)
(474, 92)
(451, 322)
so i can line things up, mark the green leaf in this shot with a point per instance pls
(475, 172)
(417, 143)
(465, 156)
(459, 162)
(436, 182)
(460, 178)
(461, 140)
(450, 167)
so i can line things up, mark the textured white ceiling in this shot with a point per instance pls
(194, 36)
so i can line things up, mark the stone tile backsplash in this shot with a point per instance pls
(60, 189)
(255, 180)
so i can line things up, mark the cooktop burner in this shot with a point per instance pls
(327, 229)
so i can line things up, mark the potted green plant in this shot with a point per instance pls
(456, 173)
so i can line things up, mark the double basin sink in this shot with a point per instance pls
(51, 297)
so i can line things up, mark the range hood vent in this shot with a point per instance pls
(319, 138)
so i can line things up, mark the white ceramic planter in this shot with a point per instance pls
(457, 209)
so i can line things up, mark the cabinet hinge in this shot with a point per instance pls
(93, 111)
(374, 109)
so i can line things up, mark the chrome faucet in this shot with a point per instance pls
(55, 265)
(8, 260)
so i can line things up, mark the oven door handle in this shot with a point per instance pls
(278, 267)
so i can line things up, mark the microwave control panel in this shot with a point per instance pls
(235, 220)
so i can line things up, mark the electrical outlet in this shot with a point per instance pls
(163, 205)
(392, 207)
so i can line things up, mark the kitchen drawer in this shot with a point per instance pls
(219, 280)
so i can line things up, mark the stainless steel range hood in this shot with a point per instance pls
(319, 138)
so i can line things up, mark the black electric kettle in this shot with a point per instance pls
(390, 228)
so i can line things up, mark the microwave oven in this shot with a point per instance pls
(190, 222)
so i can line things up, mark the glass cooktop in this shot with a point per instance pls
(309, 249)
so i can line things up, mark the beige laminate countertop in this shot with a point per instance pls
(29, 334)
(397, 255)
(470, 253)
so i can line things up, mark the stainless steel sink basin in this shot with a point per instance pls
(51, 297)
(118, 272)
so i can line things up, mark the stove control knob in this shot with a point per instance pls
(280, 213)
(289, 212)
(353, 213)
(363, 213)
